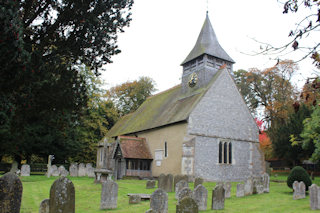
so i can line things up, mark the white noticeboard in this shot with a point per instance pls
(158, 155)
(158, 163)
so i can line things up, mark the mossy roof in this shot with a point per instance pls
(165, 108)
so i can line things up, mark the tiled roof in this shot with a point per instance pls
(134, 147)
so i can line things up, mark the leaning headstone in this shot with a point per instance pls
(197, 181)
(182, 184)
(54, 171)
(109, 195)
(44, 206)
(82, 170)
(178, 178)
(314, 192)
(299, 190)
(187, 205)
(184, 192)
(25, 170)
(73, 169)
(240, 190)
(90, 170)
(266, 183)
(151, 184)
(200, 195)
(248, 186)
(62, 196)
(159, 201)
(218, 198)
(10, 193)
(134, 199)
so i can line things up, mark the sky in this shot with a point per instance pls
(163, 32)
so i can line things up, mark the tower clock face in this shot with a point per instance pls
(193, 79)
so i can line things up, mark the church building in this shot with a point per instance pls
(201, 127)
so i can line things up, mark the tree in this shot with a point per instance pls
(43, 92)
(130, 95)
(264, 140)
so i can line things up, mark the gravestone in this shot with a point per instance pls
(197, 181)
(10, 193)
(90, 170)
(61, 168)
(248, 186)
(109, 195)
(178, 178)
(73, 169)
(44, 206)
(258, 187)
(218, 198)
(266, 183)
(14, 167)
(184, 192)
(54, 171)
(227, 188)
(314, 193)
(182, 184)
(299, 190)
(200, 195)
(161, 180)
(25, 170)
(50, 159)
(82, 170)
(62, 196)
(187, 205)
(240, 190)
(64, 173)
(151, 184)
(159, 201)
(165, 182)
(134, 199)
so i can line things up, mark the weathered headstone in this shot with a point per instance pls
(82, 170)
(151, 184)
(159, 201)
(218, 198)
(184, 192)
(54, 171)
(258, 187)
(266, 183)
(248, 186)
(44, 206)
(187, 205)
(25, 170)
(90, 170)
(64, 173)
(61, 168)
(314, 192)
(299, 190)
(240, 190)
(134, 199)
(227, 188)
(73, 169)
(109, 195)
(197, 181)
(165, 182)
(161, 180)
(200, 195)
(178, 178)
(62, 196)
(182, 184)
(10, 193)
(14, 167)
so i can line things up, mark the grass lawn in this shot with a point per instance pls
(36, 188)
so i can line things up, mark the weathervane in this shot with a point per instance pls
(207, 6)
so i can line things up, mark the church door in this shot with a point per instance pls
(119, 168)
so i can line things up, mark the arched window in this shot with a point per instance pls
(225, 152)
(220, 152)
(230, 153)
(165, 149)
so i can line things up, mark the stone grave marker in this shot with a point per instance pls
(10, 193)
(227, 188)
(258, 187)
(44, 206)
(82, 170)
(14, 167)
(62, 196)
(240, 190)
(200, 195)
(218, 198)
(54, 171)
(248, 186)
(197, 181)
(187, 205)
(61, 168)
(73, 169)
(159, 201)
(182, 184)
(90, 170)
(184, 192)
(64, 173)
(314, 193)
(109, 195)
(161, 180)
(25, 170)
(165, 182)
(266, 183)
(151, 184)
(299, 190)
(178, 178)
(134, 199)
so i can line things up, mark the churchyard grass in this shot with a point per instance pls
(36, 188)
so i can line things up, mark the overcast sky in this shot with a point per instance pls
(163, 32)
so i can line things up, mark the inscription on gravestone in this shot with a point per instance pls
(10, 193)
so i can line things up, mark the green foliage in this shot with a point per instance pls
(299, 174)
(311, 133)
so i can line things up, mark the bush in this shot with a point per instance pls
(299, 174)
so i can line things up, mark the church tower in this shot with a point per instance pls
(204, 60)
